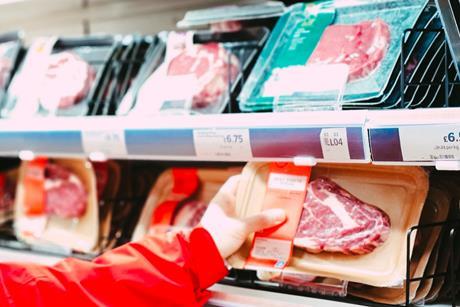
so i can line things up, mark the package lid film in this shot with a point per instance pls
(80, 234)
(398, 191)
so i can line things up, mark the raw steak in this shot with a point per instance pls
(212, 66)
(65, 195)
(333, 220)
(67, 81)
(362, 46)
(190, 214)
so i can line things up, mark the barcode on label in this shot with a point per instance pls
(442, 157)
(271, 249)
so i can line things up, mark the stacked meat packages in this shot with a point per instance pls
(58, 76)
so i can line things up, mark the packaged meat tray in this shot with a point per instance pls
(417, 58)
(180, 197)
(10, 52)
(366, 37)
(56, 205)
(64, 72)
(208, 67)
(397, 193)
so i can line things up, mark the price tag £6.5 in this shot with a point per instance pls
(222, 143)
(334, 144)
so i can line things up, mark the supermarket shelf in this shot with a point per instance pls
(306, 136)
(412, 137)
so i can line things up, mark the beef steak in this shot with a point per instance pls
(334, 220)
(361, 46)
(65, 195)
(67, 81)
(213, 67)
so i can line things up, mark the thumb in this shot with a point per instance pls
(265, 219)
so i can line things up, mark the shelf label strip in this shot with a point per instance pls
(415, 143)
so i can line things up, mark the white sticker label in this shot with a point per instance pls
(271, 249)
(222, 143)
(32, 226)
(334, 144)
(315, 78)
(287, 182)
(428, 143)
(109, 142)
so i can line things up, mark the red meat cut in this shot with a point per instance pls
(67, 80)
(334, 220)
(213, 67)
(362, 46)
(65, 195)
(190, 214)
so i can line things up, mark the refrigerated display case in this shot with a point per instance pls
(401, 129)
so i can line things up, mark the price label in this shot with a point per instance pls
(334, 144)
(108, 142)
(429, 143)
(224, 143)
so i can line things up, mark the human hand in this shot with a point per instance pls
(227, 230)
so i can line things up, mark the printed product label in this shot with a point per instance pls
(428, 143)
(334, 144)
(222, 143)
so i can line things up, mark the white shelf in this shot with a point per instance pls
(270, 136)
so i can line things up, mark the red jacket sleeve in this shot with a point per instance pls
(158, 271)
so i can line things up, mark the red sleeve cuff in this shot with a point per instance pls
(206, 259)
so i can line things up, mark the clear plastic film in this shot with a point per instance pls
(364, 35)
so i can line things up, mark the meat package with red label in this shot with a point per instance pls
(56, 205)
(180, 197)
(353, 225)
(59, 76)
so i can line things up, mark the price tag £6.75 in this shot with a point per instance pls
(222, 143)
